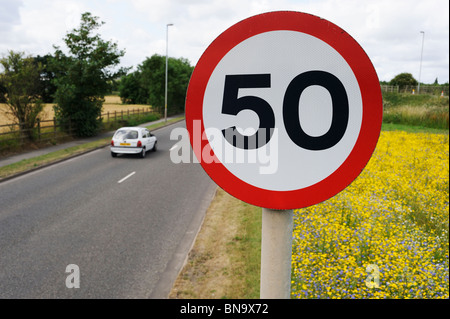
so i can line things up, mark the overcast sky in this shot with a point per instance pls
(388, 30)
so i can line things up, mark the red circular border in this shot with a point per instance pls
(364, 72)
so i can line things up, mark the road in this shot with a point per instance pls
(127, 232)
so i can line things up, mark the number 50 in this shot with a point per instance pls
(232, 105)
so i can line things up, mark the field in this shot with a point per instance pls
(112, 103)
(387, 234)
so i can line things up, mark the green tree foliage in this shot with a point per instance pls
(131, 90)
(3, 93)
(47, 88)
(82, 78)
(147, 84)
(404, 79)
(20, 83)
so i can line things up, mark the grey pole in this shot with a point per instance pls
(421, 55)
(276, 253)
(167, 53)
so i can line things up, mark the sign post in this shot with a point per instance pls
(276, 252)
(284, 111)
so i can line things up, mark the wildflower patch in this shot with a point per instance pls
(384, 236)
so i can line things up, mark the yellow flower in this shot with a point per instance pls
(394, 215)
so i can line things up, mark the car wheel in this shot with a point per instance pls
(113, 154)
(143, 152)
(154, 147)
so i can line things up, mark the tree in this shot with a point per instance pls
(403, 80)
(20, 82)
(47, 87)
(131, 91)
(178, 74)
(82, 78)
(147, 84)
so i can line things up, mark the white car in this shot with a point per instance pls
(133, 140)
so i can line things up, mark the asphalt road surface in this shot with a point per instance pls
(126, 223)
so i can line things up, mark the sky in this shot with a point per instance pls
(389, 31)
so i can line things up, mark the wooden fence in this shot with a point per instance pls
(44, 130)
(51, 130)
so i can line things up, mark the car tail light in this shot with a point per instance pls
(139, 144)
(112, 142)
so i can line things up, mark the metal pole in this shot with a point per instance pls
(167, 53)
(276, 253)
(421, 55)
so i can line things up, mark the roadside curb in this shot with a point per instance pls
(27, 171)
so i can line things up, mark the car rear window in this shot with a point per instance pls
(126, 134)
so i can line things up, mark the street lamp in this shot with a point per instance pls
(167, 53)
(421, 55)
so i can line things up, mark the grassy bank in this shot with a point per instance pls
(416, 110)
(225, 260)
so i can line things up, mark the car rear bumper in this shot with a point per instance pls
(126, 150)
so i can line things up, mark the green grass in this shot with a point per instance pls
(431, 117)
(412, 128)
(399, 99)
(38, 161)
(426, 111)
(248, 249)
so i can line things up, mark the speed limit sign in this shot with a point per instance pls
(284, 110)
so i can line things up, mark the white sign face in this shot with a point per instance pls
(284, 55)
(284, 110)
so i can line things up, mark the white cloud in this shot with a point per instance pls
(42, 24)
(389, 31)
(9, 15)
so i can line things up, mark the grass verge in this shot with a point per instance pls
(224, 262)
(53, 157)
(416, 110)
(412, 128)
(43, 160)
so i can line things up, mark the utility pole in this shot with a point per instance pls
(167, 54)
(421, 55)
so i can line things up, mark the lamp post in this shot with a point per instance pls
(421, 55)
(167, 53)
